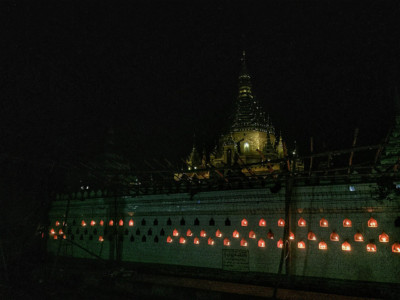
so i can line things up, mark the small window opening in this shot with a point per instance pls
(182, 222)
(203, 233)
(132, 239)
(346, 246)
(261, 243)
(156, 239)
(235, 234)
(252, 234)
(155, 222)
(143, 238)
(189, 232)
(126, 232)
(372, 222)
(196, 222)
(196, 241)
(169, 239)
(323, 223)
(175, 232)
(95, 231)
(212, 222)
(396, 248)
(334, 237)
(227, 242)
(347, 223)
(227, 222)
(311, 236)
(57, 223)
(162, 232)
(92, 223)
(244, 222)
(101, 223)
(218, 233)
(322, 245)
(210, 241)
(169, 222)
(150, 232)
(358, 237)
(279, 244)
(302, 222)
(301, 245)
(371, 247)
(83, 223)
(121, 222)
(111, 223)
(270, 235)
(182, 240)
(101, 239)
(383, 238)
(243, 242)
(131, 223)
(138, 231)
(291, 236)
(85, 232)
(143, 222)
(281, 222)
(262, 223)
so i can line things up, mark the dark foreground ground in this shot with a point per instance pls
(93, 279)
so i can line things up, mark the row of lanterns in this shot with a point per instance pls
(301, 244)
(262, 223)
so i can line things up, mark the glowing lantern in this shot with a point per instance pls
(384, 238)
(111, 223)
(57, 223)
(270, 235)
(203, 233)
(323, 223)
(52, 231)
(235, 234)
(244, 222)
(189, 232)
(358, 237)
(302, 222)
(279, 244)
(371, 248)
(334, 237)
(291, 236)
(60, 232)
(218, 233)
(92, 223)
(121, 222)
(101, 223)
(227, 242)
(372, 222)
(101, 239)
(396, 248)
(169, 239)
(64, 237)
(301, 245)
(196, 241)
(83, 223)
(281, 222)
(322, 245)
(175, 232)
(311, 236)
(182, 240)
(346, 223)
(346, 246)
(210, 241)
(131, 223)
(252, 234)
(243, 243)
(262, 223)
(55, 237)
(261, 243)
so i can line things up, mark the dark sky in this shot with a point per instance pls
(159, 72)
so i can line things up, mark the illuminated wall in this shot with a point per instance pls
(239, 230)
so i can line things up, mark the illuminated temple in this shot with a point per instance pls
(280, 219)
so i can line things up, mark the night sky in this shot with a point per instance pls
(158, 73)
